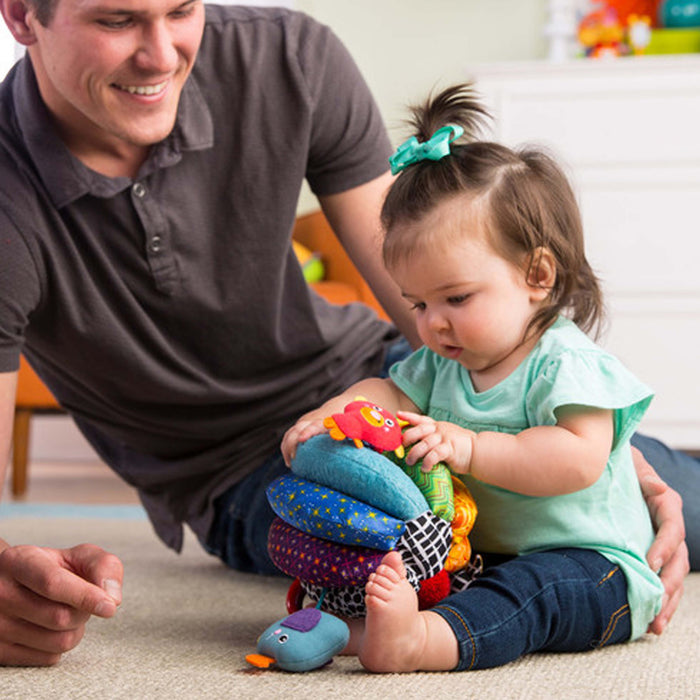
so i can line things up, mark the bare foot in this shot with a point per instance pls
(395, 633)
(398, 637)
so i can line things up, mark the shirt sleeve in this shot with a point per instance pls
(589, 378)
(19, 291)
(415, 376)
(348, 142)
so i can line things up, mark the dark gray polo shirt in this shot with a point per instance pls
(168, 313)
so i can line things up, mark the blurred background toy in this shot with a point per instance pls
(601, 34)
(311, 263)
(679, 13)
(638, 33)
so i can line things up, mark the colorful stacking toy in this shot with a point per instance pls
(341, 509)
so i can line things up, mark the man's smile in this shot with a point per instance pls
(142, 89)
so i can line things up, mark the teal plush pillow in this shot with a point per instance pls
(361, 473)
(322, 512)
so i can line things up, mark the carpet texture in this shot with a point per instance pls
(187, 623)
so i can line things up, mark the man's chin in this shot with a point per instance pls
(149, 136)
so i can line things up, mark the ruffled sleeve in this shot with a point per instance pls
(589, 378)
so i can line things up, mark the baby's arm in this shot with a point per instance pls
(540, 461)
(383, 392)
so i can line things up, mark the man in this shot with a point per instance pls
(151, 154)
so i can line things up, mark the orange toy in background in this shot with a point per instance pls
(609, 31)
(601, 33)
(640, 8)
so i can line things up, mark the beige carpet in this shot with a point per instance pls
(186, 624)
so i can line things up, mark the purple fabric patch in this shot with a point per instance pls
(303, 620)
(319, 561)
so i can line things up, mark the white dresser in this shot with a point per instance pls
(628, 133)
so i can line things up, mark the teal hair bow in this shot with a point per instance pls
(435, 148)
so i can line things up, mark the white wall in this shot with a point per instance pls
(405, 49)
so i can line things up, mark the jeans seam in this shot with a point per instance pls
(609, 575)
(466, 629)
(612, 625)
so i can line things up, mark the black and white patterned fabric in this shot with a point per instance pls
(424, 547)
(459, 580)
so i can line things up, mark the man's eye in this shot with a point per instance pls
(114, 23)
(181, 14)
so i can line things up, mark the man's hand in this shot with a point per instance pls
(47, 597)
(668, 553)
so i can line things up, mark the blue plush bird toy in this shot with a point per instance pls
(302, 641)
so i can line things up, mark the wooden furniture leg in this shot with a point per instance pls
(20, 449)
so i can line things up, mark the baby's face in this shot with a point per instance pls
(471, 304)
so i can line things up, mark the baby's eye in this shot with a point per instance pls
(458, 299)
(418, 306)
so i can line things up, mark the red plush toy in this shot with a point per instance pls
(364, 422)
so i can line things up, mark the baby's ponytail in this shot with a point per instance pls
(527, 199)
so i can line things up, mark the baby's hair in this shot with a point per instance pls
(527, 202)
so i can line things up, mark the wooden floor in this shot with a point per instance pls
(74, 482)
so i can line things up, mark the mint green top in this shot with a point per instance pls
(564, 368)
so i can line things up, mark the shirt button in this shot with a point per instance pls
(139, 190)
(156, 244)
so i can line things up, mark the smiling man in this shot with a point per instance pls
(111, 75)
(151, 157)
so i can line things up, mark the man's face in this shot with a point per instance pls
(111, 71)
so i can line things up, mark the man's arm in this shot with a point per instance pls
(354, 216)
(47, 595)
(668, 554)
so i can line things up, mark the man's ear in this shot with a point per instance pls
(541, 273)
(19, 17)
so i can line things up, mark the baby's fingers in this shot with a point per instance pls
(414, 418)
(422, 449)
(300, 432)
(416, 433)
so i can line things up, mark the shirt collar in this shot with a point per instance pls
(66, 178)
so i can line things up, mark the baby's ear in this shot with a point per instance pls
(542, 272)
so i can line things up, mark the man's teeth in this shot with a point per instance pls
(143, 89)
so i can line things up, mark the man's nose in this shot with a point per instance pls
(157, 52)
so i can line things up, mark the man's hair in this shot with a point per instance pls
(524, 198)
(44, 10)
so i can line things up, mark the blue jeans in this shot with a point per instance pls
(682, 473)
(243, 516)
(562, 600)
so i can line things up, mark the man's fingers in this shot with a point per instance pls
(652, 486)
(101, 568)
(21, 604)
(672, 575)
(18, 655)
(40, 572)
(30, 636)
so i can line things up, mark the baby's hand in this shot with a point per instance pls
(437, 441)
(301, 431)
